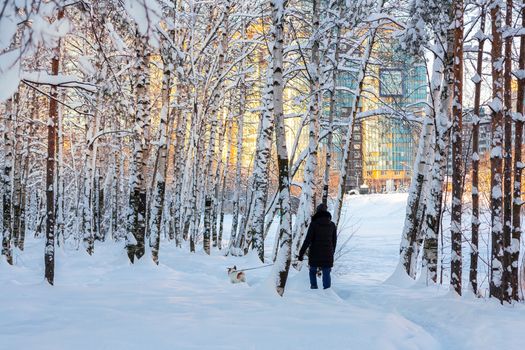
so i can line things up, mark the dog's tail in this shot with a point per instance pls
(241, 276)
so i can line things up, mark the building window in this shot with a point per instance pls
(391, 82)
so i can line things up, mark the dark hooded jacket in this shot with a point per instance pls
(322, 239)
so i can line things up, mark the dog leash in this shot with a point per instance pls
(255, 268)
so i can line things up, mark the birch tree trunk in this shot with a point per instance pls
(224, 177)
(444, 75)
(414, 214)
(178, 163)
(137, 200)
(235, 236)
(192, 218)
(166, 120)
(282, 263)
(87, 210)
(18, 175)
(255, 221)
(100, 233)
(332, 95)
(208, 196)
(351, 123)
(217, 182)
(216, 98)
(60, 181)
(307, 200)
(7, 181)
(17, 170)
(24, 170)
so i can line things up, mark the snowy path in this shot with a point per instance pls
(187, 302)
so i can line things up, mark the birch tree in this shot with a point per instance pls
(137, 200)
(443, 76)
(332, 60)
(307, 200)
(441, 93)
(285, 224)
(166, 121)
(7, 176)
(255, 221)
(415, 40)
(371, 37)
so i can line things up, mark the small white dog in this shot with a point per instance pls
(236, 276)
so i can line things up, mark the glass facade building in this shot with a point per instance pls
(389, 141)
(384, 144)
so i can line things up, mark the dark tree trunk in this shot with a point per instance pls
(518, 168)
(496, 105)
(507, 160)
(474, 255)
(7, 182)
(457, 177)
(49, 254)
(332, 95)
(207, 224)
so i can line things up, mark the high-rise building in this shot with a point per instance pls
(388, 138)
(384, 142)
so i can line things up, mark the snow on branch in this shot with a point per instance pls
(382, 17)
(384, 112)
(146, 14)
(62, 80)
(513, 32)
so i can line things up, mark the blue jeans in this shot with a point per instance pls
(327, 282)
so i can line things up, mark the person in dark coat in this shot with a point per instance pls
(322, 240)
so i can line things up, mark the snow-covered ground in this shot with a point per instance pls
(187, 302)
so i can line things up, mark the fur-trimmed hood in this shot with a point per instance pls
(322, 216)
